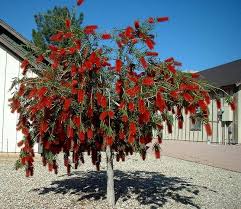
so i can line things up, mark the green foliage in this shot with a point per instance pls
(50, 22)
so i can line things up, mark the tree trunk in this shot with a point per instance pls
(110, 177)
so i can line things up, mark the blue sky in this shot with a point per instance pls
(201, 33)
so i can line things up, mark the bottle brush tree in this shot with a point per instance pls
(101, 93)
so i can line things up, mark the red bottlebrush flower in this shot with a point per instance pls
(207, 99)
(106, 36)
(90, 29)
(195, 75)
(132, 92)
(206, 96)
(74, 83)
(72, 50)
(20, 143)
(148, 81)
(120, 44)
(159, 139)
(67, 23)
(27, 174)
(157, 154)
(176, 63)
(142, 140)
(208, 129)
(39, 59)
(170, 59)
(188, 97)
(43, 127)
(143, 154)
(202, 105)
(150, 43)
(174, 94)
(90, 112)
(68, 169)
(57, 37)
(134, 41)
(67, 35)
(151, 20)
(50, 167)
(24, 66)
(44, 161)
(66, 161)
(146, 116)
(78, 44)
(124, 118)
(131, 139)
(118, 66)
(81, 95)
(117, 157)
(118, 87)
(162, 19)
(122, 135)
(137, 24)
(67, 103)
(103, 115)
(152, 54)
(133, 78)
(143, 62)
(70, 132)
(53, 48)
(192, 87)
(79, 2)
(55, 65)
(180, 123)
(32, 93)
(129, 32)
(47, 145)
(233, 105)
(218, 103)
(108, 140)
(77, 121)
(25, 131)
(103, 102)
(21, 90)
(171, 69)
(122, 105)
(160, 102)
(73, 70)
(161, 89)
(141, 106)
(169, 128)
(90, 133)
(81, 135)
(192, 109)
(111, 114)
(132, 128)
(131, 106)
(62, 52)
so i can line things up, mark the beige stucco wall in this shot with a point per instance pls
(239, 115)
(220, 130)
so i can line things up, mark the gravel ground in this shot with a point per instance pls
(166, 183)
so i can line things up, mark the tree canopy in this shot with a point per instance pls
(90, 90)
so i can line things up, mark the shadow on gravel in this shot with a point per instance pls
(149, 188)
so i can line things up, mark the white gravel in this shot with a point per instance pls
(165, 183)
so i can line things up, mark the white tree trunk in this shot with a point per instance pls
(110, 177)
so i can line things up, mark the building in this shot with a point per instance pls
(11, 55)
(226, 124)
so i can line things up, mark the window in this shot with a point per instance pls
(195, 124)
